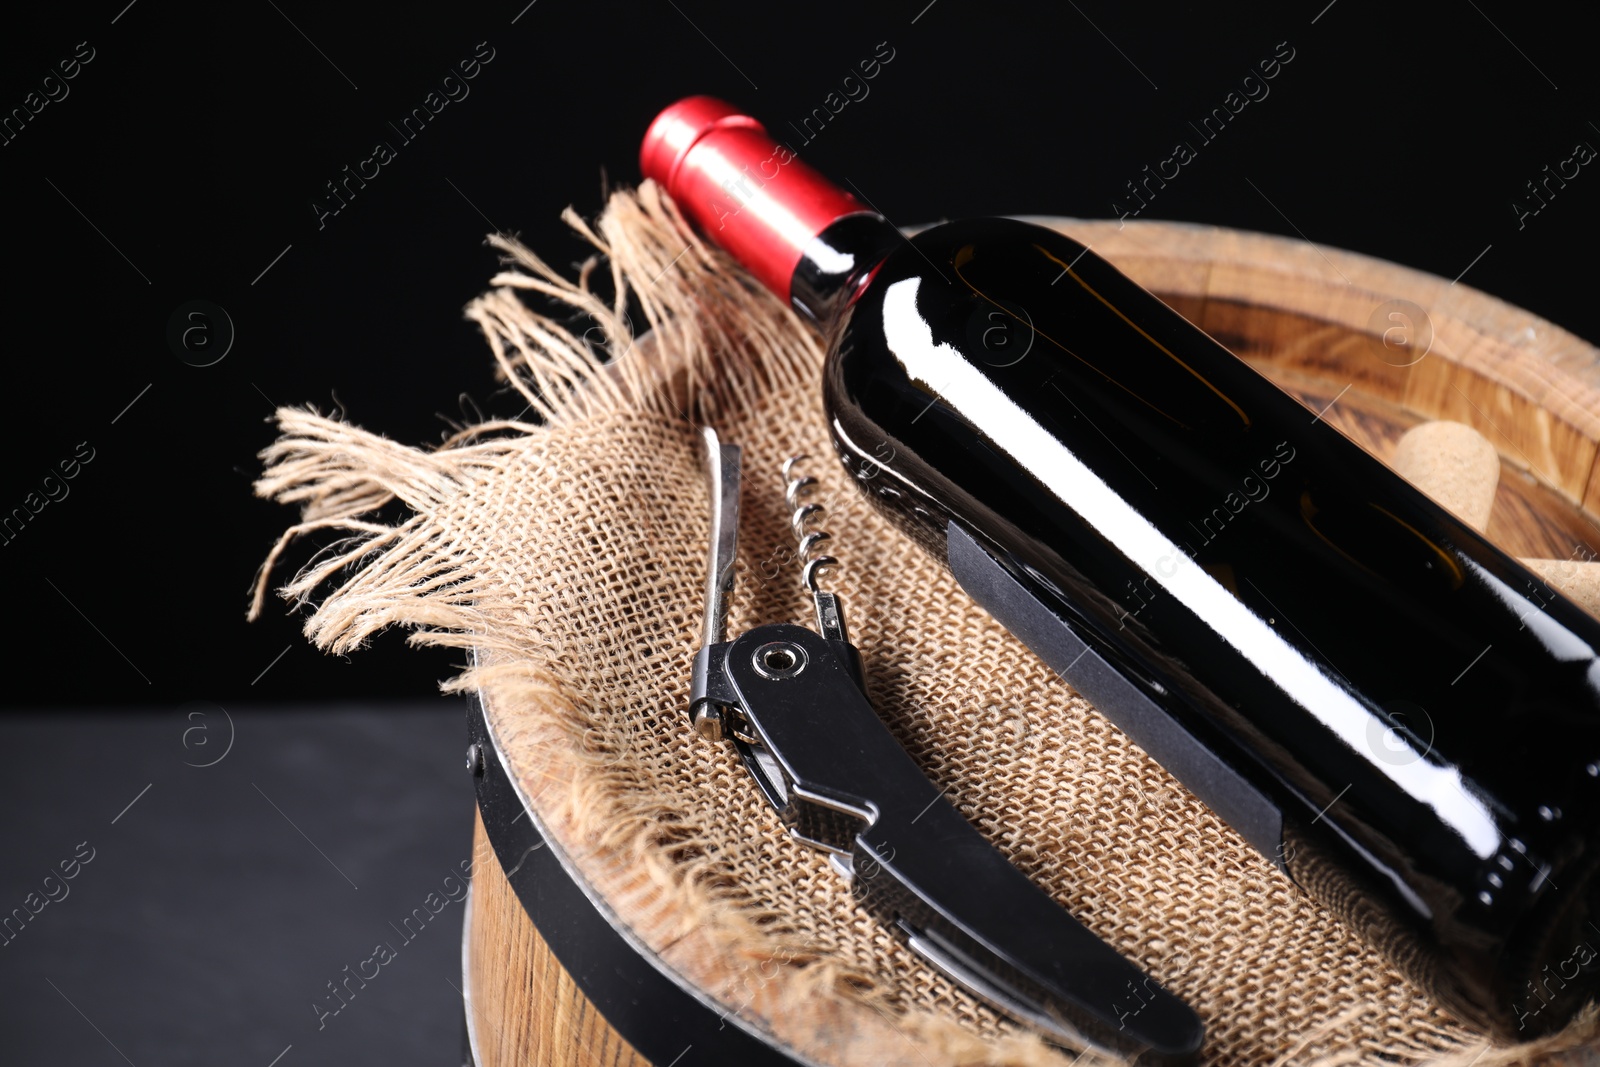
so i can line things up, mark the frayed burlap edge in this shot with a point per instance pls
(696, 305)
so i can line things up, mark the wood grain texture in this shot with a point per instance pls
(1314, 321)
(526, 1009)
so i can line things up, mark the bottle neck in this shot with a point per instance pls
(804, 238)
(837, 262)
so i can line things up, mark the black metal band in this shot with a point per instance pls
(666, 1021)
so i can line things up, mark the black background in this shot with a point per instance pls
(185, 161)
(198, 137)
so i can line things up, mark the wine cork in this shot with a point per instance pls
(1454, 464)
(1577, 580)
(1458, 467)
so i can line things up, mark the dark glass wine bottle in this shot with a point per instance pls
(1395, 712)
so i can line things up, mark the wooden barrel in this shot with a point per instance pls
(551, 977)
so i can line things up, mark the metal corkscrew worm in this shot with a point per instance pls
(801, 516)
(830, 617)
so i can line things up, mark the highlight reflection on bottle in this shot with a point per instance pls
(1059, 437)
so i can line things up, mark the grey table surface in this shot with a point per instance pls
(226, 866)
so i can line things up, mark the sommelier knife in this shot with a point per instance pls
(793, 703)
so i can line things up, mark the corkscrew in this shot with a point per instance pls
(793, 703)
(830, 617)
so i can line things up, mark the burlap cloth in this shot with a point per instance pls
(569, 550)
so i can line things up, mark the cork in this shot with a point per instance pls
(1578, 580)
(1454, 464)
(1458, 467)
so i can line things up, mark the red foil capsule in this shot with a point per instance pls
(745, 191)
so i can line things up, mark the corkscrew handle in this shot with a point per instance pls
(841, 782)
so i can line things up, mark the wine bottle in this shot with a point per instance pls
(1389, 707)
